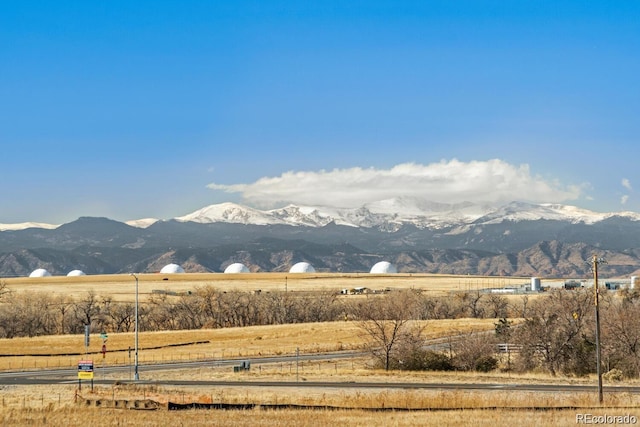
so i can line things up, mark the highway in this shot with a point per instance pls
(51, 376)
(69, 376)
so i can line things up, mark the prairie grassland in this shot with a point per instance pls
(121, 287)
(164, 346)
(47, 405)
(57, 405)
(311, 418)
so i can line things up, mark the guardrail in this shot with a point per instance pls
(509, 348)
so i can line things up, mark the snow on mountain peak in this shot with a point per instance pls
(25, 225)
(142, 223)
(390, 214)
(231, 213)
(520, 211)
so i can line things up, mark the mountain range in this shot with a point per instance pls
(516, 239)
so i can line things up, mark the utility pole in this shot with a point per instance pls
(596, 293)
(136, 377)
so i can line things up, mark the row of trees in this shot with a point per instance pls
(40, 313)
(34, 313)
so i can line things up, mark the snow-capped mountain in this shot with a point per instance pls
(393, 213)
(514, 239)
(142, 223)
(390, 215)
(519, 211)
(396, 212)
(230, 213)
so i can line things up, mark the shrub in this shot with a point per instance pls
(485, 363)
(434, 361)
(614, 375)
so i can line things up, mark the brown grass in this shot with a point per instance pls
(121, 287)
(431, 407)
(257, 417)
(253, 341)
(56, 405)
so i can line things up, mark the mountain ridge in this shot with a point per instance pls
(399, 211)
(474, 239)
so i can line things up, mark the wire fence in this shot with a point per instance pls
(124, 358)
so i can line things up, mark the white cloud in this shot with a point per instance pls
(624, 199)
(626, 184)
(493, 181)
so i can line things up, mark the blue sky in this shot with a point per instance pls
(158, 108)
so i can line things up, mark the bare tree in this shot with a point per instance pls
(161, 314)
(475, 351)
(621, 333)
(555, 332)
(121, 316)
(4, 289)
(496, 306)
(525, 305)
(385, 320)
(62, 305)
(471, 303)
(86, 309)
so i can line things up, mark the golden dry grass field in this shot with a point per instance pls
(60, 405)
(54, 406)
(121, 287)
(166, 346)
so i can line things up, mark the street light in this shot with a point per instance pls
(136, 377)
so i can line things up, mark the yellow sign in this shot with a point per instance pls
(85, 375)
(85, 370)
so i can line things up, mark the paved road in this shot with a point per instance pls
(53, 375)
(69, 376)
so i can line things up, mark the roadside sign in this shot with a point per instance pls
(104, 336)
(85, 370)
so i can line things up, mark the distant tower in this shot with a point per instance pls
(535, 284)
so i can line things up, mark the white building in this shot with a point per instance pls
(302, 267)
(236, 267)
(172, 269)
(76, 273)
(383, 267)
(40, 272)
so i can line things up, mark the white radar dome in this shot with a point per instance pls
(383, 267)
(76, 273)
(236, 267)
(302, 267)
(39, 272)
(171, 269)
